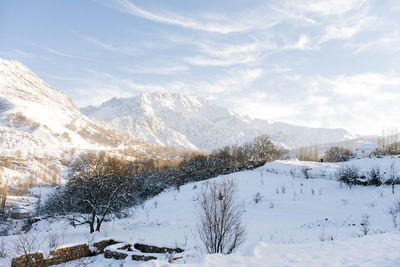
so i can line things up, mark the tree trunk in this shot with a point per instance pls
(91, 223)
(91, 227)
(98, 225)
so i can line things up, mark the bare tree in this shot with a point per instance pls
(220, 225)
(338, 154)
(3, 198)
(264, 150)
(98, 187)
(392, 176)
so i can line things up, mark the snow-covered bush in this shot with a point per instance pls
(375, 177)
(348, 175)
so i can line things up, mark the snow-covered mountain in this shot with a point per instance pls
(40, 126)
(33, 115)
(194, 123)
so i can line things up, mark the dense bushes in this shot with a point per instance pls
(100, 186)
(338, 154)
(350, 175)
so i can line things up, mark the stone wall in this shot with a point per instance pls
(62, 255)
(30, 260)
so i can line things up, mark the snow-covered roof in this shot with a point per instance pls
(19, 210)
(368, 146)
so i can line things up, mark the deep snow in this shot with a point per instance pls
(299, 222)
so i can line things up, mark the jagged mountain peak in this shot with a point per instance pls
(156, 103)
(195, 123)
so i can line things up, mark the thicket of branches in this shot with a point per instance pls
(338, 154)
(388, 143)
(220, 226)
(100, 186)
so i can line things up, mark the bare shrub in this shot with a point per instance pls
(20, 121)
(324, 236)
(27, 245)
(365, 225)
(283, 189)
(305, 172)
(3, 251)
(55, 240)
(258, 197)
(271, 205)
(395, 211)
(220, 225)
(393, 178)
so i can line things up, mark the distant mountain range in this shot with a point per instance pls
(33, 115)
(194, 123)
(41, 129)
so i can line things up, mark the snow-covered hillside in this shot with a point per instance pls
(296, 222)
(35, 115)
(194, 123)
(40, 126)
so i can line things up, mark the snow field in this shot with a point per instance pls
(296, 222)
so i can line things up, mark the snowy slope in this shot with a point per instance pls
(40, 125)
(35, 115)
(298, 222)
(194, 123)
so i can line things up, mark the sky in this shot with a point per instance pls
(317, 63)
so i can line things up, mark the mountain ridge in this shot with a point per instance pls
(196, 123)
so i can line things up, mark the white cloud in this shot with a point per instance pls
(97, 94)
(17, 54)
(212, 53)
(98, 43)
(211, 23)
(372, 86)
(304, 43)
(388, 42)
(347, 26)
(121, 49)
(323, 8)
(60, 53)
(362, 103)
(160, 70)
